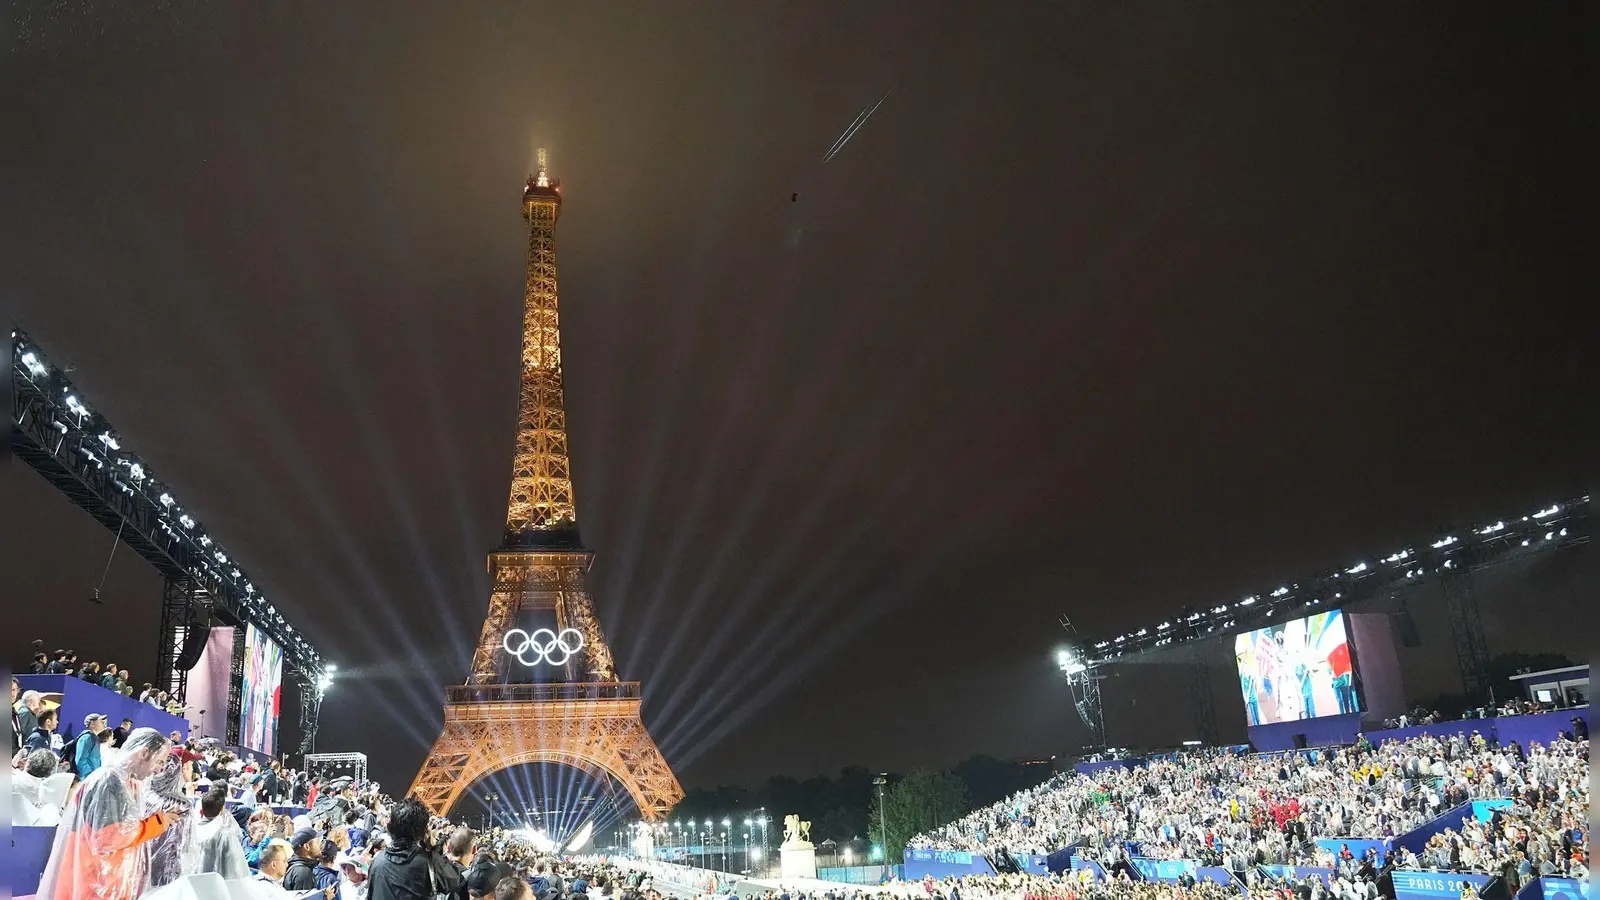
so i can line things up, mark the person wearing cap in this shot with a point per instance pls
(86, 749)
(352, 877)
(307, 846)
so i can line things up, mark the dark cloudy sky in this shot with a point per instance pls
(1108, 309)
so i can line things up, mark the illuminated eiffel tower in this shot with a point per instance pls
(574, 711)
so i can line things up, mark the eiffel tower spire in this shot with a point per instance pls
(541, 512)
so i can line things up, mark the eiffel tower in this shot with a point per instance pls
(552, 695)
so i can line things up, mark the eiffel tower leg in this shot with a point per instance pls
(585, 730)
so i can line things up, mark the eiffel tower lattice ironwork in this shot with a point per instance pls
(576, 712)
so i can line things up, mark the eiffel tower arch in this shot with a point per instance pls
(547, 694)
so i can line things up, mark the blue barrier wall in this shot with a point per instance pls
(1320, 732)
(1163, 869)
(1217, 874)
(1079, 863)
(860, 874)
(1435, 885)
(1061, 860)
(1417, 838)
(944, 864)
(1296, 872)
(1032, 863)
(1484, 809)
(1358, 846)
(1555, 889)
(80, 698)
(30, 850)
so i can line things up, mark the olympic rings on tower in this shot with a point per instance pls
(557, 650)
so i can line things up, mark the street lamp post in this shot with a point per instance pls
(883, 817)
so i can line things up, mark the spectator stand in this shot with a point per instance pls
(1538, 728)
(79, 698)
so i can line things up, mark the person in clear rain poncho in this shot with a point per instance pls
(99, 851)
(221, 842)
(175, 852)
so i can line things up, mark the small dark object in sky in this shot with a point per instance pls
(793, 197)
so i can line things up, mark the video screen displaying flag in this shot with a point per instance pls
(263, 682)
(1298, 670)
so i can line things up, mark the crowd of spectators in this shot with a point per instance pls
(164, 809)
(1515, 706)
(1083, 885)
(109, 676)
(1237, 810)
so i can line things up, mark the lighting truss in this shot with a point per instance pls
(318, 764)
(1083, 680)
(1444, 556)
(58, 432)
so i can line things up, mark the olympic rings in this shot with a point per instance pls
(565, 644)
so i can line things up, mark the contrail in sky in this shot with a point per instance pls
(861, 119)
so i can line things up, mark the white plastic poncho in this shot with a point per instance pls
(221, 846)
(99, 851)
(176, 851)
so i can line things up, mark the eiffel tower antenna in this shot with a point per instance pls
(575, 711)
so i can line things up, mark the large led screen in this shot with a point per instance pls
(263, 679)
(1298, 670)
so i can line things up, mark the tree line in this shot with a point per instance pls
(845, 808)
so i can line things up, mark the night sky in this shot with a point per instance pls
(1104, 311)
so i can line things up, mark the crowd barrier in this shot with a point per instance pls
(939, 864)
(860, 874)
(1411, 885)
(1484, 809)
(1164, 869)
(1295, 873)
(1417, 838)
(1061, 860)
(79, 698)
(1358, 846)
(30, 850)
(1032, 863)
(1555, 889)
(1079, 864)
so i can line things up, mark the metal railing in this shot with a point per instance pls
(542, 693)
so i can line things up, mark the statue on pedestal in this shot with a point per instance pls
(795, 832)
